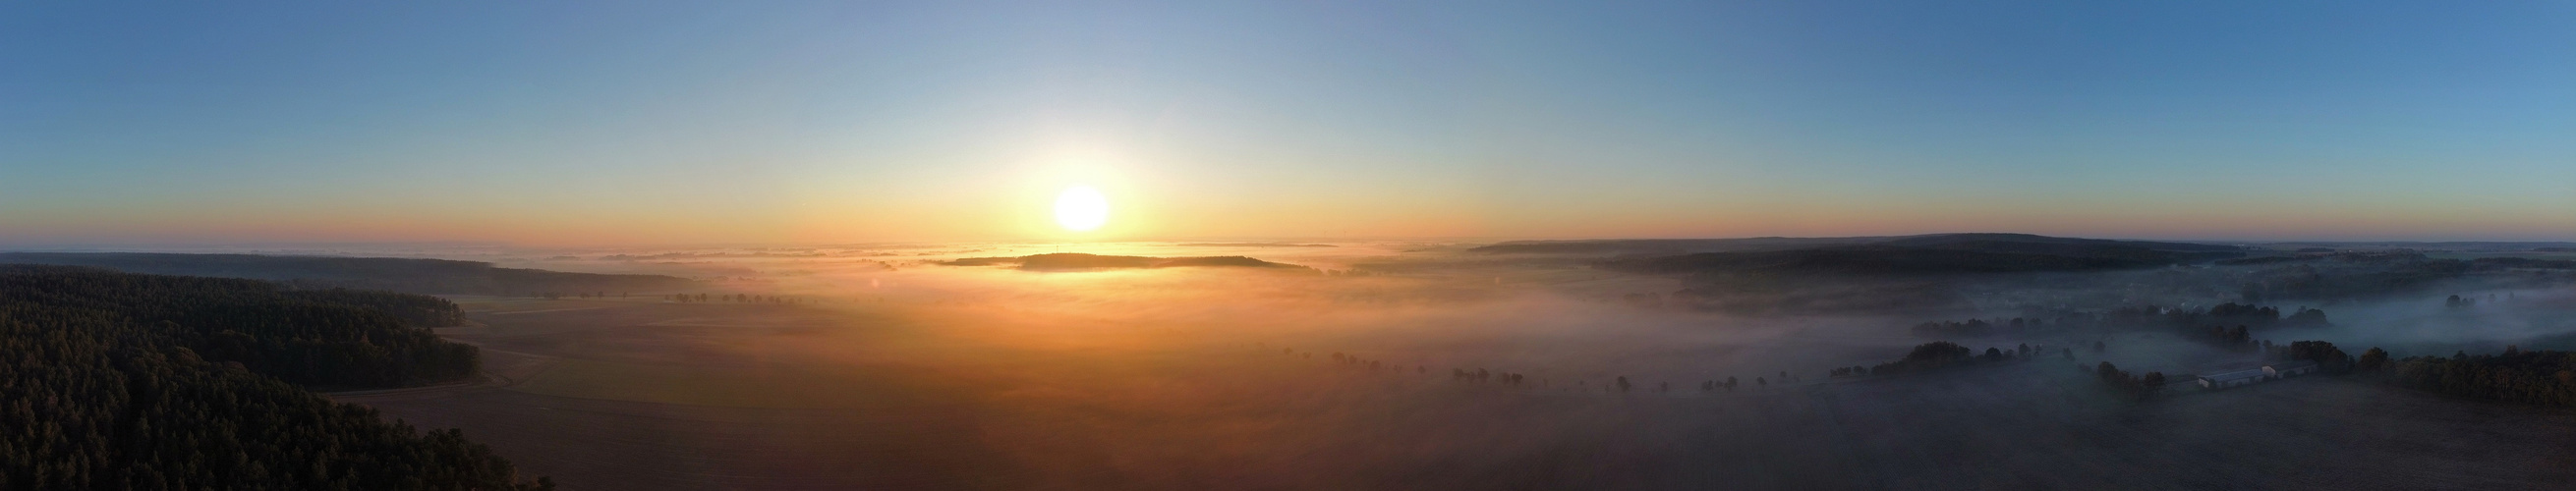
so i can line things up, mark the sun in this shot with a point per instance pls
(1081, 209)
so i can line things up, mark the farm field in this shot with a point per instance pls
(635, 394)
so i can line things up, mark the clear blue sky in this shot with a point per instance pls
(546, 122)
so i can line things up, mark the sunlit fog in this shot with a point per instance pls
(646, 245)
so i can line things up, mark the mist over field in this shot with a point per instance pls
(943, 366)
(1946, 361)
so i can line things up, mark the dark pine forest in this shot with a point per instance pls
(119, 381)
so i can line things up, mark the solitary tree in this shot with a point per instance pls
(2372, 361)
(1623, 384)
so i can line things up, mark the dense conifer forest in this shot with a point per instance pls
(125, 381)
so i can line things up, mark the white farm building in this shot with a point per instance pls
(2232, 379)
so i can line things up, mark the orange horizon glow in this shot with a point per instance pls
(1019, 201)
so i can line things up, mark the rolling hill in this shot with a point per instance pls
(426, 276)
(1934, 255)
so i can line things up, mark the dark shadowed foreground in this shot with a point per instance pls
(618, 395)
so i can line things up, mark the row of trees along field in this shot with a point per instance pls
(2138, 317)
(2543, 378)
(1939, 355)
(2546, 378)
(1481, 375)
(126, 381)
(2138, 386)
(733, 298)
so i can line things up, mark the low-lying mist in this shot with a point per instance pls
(1346, 373)
(1438, 307)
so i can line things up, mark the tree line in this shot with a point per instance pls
(111, 383)
(2537, 377)
(2134, 317)
(733, 298)
(1938, 355)
(336, 339)
(1483, 375)
(2141, 387)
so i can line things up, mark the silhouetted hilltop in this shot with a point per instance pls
(1079, 261)
(2256, 261)
(1663, 246)
(1085, 261)
(437, 276)
(2000, 242)
(1991, 242)
(1222, 261)
(2492, 263)
(1937, 254)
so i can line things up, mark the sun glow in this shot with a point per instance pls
(1081, 209)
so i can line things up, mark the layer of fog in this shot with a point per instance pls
(1176, 378)
(1432, 305)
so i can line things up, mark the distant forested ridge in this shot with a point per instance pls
(1947, 254)
(435, 276)
(128, 381)
(1664, 246)
(2351, 275)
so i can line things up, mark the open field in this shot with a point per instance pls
(646, 395)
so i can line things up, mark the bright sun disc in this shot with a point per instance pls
(1081, 208)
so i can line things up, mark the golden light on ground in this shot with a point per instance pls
(1081, 209)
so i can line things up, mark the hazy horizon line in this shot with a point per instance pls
(254, 246)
